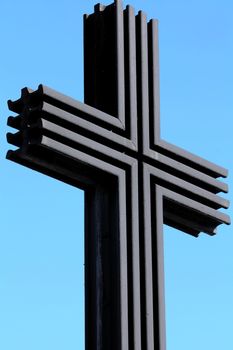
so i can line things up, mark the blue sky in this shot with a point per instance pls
(41, 227)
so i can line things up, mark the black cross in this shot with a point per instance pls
(133, 180)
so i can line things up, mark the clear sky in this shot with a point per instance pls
(41, 226)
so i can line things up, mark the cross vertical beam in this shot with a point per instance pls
(134, 181)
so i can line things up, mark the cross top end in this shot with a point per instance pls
(118, 4)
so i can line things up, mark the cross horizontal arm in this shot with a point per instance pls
(66, 136)
(48, 118)
(38, 125)
(75, 115)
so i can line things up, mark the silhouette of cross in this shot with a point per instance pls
(134, 181)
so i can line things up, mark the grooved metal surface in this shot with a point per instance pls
(134, 181)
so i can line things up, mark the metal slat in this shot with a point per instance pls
(192, 160)
(97, 130)
(158, 256)
(120, 61)
(130, 91)
(154, 92)
(193, 176)
(131, 73)
(67, 103)
(149, 317)
(202, 211)
(142, 77)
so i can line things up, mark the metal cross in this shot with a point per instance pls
(134, 181)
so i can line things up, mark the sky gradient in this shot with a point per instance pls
(41, 227)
